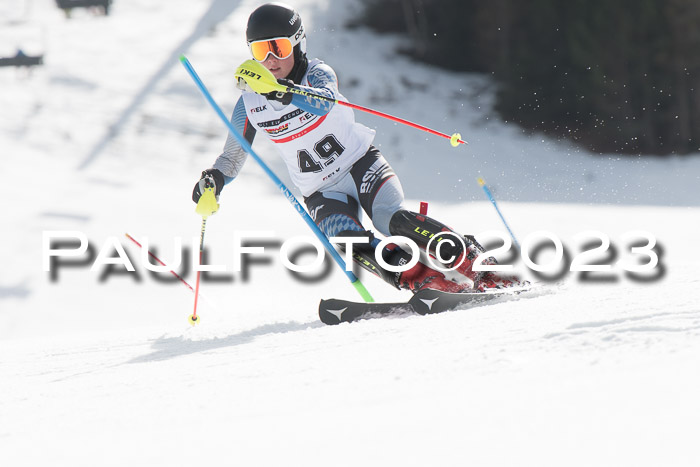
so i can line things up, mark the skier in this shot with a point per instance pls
(331, 159)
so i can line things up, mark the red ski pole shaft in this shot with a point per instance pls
(399, 120)
(455, 139)
(193, 318)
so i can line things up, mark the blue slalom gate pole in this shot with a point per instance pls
(283, 189)
(493, 201)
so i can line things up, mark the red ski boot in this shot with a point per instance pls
(490, 281)
(421, 276)
(482, 280)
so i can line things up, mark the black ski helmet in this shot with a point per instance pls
(273, 20)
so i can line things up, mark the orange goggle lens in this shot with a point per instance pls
(280, 48)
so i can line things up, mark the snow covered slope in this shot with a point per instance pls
(111, 134)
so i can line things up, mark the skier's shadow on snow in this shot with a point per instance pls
(166, 348)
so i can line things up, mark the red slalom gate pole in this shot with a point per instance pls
(193, 290)
(424, 208)
(160, 262)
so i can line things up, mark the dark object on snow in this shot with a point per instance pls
(22, 59)
(68, 5)
(423, 302)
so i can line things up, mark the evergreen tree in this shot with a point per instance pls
(618, 76)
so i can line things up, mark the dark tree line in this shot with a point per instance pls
(615, 75)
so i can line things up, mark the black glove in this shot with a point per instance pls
(209, 177)
(283, 97)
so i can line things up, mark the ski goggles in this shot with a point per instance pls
(280, 47)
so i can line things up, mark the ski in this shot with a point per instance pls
(428, 301)
(335, 311)
(424, 302)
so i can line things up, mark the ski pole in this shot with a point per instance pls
(261, 80)
(193, 317)
(206, 206)
(283, 189)
(455, 138)
(493, 201)
(183, 281)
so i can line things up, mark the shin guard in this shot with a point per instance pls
(421, 229)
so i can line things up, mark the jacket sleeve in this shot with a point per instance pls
(322, 81)
(231, 160)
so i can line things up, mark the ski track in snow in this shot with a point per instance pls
(107, 372)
